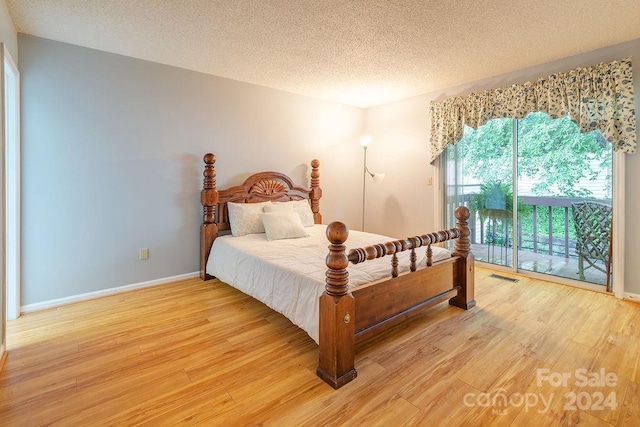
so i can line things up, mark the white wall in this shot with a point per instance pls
(112, 151)
(400, 133)
(112, 162)
(402, 205)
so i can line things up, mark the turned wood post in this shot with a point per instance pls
(461, 247)
(316, 191)
(337, 317)
(413, 258)
(209, 199)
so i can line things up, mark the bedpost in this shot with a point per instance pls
(316, 192)
(461, 247)
(209, 199)
(337, 318)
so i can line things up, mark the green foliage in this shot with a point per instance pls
(553, 157)
(525, 216)
(486, 152)
(557, 155)
(552, 153)
(485, 204)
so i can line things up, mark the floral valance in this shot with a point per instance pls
(599, 97)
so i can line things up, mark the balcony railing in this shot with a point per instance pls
(538, 228)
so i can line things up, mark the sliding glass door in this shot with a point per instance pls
(479, 175)
(540, 196)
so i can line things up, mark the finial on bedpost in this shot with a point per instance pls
(208, 184)
(337, 282)
(209, 199)
(336, 364)
(316, 191)
(462, 245)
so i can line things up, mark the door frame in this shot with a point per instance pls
(618, 226)
(11, 117)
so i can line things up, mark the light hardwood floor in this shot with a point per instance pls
(199, 353)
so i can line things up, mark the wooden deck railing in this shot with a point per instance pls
(495, 227)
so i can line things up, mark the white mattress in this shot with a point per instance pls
(289, 275)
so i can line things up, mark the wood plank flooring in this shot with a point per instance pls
(196, 353)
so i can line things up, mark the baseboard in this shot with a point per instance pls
(111, 291)
(632, 297)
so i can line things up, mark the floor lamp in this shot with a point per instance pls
(377, 177)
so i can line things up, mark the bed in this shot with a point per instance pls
(339, 296)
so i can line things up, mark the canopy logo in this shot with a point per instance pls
(585, 393)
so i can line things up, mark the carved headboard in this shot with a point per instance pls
(259, 187)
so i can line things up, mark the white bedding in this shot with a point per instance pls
(289, 275)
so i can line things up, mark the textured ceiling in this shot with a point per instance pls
(361, 53)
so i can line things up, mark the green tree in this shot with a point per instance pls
(486, 152)
(552, 153)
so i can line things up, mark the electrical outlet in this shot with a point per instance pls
(429, 180)
(144, 254)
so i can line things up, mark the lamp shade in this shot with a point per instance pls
(378, 177)
(365, 140)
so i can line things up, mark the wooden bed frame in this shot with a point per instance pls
(351, 316)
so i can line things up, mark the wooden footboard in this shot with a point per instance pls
(348, 317)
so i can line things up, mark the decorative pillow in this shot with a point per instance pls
(302, 207)
(245, 218)
(283, 225)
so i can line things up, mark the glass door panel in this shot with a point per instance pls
(562, 175)
(479, 175)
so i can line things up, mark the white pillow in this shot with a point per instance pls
(279, 207)
(245, 218)
(283, 225)
(302, 207)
